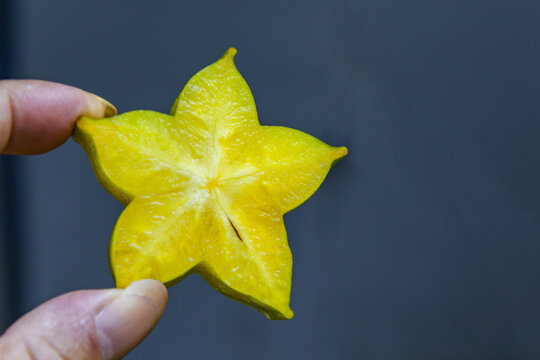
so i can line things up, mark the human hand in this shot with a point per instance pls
(35, 117)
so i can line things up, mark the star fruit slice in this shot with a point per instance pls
(206, 188)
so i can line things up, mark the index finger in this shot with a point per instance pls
(38, 116)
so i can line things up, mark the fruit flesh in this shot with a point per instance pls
(206, 188)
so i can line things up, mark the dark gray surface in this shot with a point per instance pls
(4, 306)
(9, 296)
(421, 244)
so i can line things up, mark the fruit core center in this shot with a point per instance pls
(211, 184)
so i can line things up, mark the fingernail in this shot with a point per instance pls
(97, 107)
(110, 110)
(124, 322)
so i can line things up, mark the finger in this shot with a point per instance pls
(88, 324)
(38, 116)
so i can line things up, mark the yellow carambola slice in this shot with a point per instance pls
(206, 188)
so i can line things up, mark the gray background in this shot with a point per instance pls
(422, 243)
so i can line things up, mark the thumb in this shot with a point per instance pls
(87, 324)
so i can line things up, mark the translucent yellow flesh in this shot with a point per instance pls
(206, 189)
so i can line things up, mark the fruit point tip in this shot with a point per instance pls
(229, 54)
(342, 151)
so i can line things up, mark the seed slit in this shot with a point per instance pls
(235, 230)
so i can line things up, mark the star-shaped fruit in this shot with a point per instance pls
(206, 188)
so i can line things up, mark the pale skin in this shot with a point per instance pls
(36, 117)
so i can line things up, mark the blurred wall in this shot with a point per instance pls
(5, 50)
(4, 308)
(422, 243)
